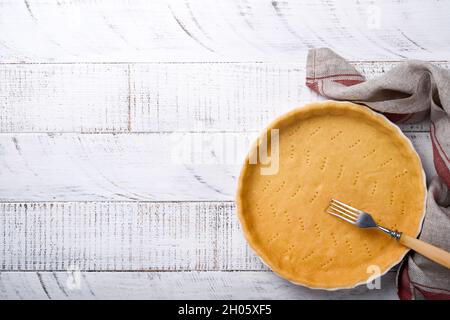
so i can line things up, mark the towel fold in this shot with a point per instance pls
(407, 93)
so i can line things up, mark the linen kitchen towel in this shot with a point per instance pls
(405, 94)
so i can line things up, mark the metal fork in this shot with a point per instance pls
(364, 220)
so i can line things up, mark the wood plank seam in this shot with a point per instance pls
(131, 63)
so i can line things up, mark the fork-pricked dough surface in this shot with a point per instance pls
(339, 150)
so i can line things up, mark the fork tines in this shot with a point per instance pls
(343, 211)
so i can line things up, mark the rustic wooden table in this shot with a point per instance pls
(100, 98)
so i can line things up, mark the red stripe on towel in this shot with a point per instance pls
(404, 284)
(441, 168)
(397, 117)
(428, 287)
(348, 82)
(437, 141)
(313, 86)
(431, 295)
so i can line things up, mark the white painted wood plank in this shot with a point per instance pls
(120, 236)
(225, 97)
(250, 30)
(170, 285)
(214, 97)
(70, 97)
(155, 97)
(121, 167)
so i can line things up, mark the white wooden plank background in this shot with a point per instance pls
(151, 166)
(108, 236)
(245, 30)
(172, 285)
(156, 97)
(95, 98)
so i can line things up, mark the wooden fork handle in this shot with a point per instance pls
(427, 250)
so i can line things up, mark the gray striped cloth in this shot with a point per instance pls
(407, 93)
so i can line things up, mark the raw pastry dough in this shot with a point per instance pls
(340, 150)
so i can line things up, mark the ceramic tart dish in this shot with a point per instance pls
(331, 150)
